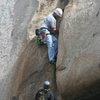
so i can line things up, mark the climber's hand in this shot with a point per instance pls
(43, 36)
(54, 31)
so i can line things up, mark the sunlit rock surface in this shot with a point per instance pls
(15, 16)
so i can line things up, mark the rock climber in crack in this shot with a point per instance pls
(45, 93)
(48, 30)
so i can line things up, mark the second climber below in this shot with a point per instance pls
(47, 30)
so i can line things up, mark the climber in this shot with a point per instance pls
(48, 30)
(45, 93)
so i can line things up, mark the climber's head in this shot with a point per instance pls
(58, 12)
(46, 85)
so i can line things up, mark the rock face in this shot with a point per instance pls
(33, 69)
(14, 18)
(78, 64)
(24, 66)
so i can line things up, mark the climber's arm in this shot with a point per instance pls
(54, 30)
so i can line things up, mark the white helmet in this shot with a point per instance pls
(46, 85)
(58, 11)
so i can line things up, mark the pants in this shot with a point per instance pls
(52, 44)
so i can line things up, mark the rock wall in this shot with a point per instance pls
(15, 16)
(78, 63)
(32, 67)
(24, 66)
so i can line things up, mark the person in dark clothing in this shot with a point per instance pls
(45, 93)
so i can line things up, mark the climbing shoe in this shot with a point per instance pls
(52, 62)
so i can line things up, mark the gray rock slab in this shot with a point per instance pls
(78, 64)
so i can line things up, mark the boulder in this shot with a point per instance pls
(78, 63)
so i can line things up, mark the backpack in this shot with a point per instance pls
(38, 38)
(41, 95)
(37, 32)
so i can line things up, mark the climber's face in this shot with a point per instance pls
(56, 16)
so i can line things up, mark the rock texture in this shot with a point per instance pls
(78, 63)
(24, 66)
(15, 16)
(33, 69)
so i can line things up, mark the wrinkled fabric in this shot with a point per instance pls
(49, 22)
(52, 45)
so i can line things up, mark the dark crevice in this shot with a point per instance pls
(55, 83)
(97, 14)
(62, 3)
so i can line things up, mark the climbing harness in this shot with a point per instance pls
(42, 95)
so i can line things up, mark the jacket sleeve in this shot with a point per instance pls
(52, 96)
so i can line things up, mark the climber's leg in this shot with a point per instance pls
(55, 45)
(50, 45)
